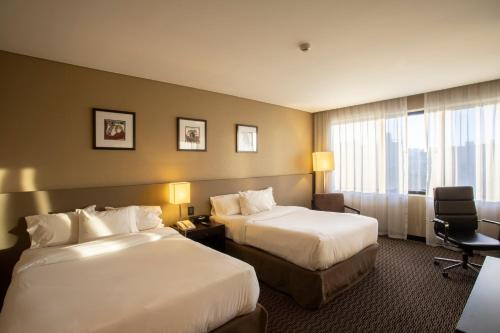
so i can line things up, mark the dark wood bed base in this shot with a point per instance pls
(253, 322)
(310, 289)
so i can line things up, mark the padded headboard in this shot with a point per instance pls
(293, 190)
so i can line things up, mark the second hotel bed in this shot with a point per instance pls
(311, 255)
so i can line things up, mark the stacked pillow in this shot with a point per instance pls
(107, 223)
(148, 217)
(54, 229)
(228, 204)
(88, 224)
(245, 203)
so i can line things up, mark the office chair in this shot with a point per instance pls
(456, 223)
(331, 202)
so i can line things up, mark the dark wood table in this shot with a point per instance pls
(482, 311)
(212, 235)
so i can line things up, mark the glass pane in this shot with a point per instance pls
(417, 153)
(394, 141)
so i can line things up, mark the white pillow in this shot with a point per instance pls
(54, 229)
(228, 204)
(106, 223)
(253, 202)
(148, 217)
(269, 192)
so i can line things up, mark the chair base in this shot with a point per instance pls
(464, 263)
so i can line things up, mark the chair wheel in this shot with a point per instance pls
(445, 274)
(436, 263)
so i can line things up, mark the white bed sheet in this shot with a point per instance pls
(312, 239)
(155, 281)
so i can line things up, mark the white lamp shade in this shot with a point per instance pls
(179, 193)
(323, 161)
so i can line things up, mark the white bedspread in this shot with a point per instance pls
(312, 239)
(154, 281)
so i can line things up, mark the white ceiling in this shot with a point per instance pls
(362, 51)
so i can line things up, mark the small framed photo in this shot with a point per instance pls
(113, 129)
(246, 138)
(191, 134)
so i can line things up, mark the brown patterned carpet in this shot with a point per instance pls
(405, 293)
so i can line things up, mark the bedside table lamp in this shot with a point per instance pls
(322, 161)
(179, 193)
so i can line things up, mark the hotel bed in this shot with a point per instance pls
(148, 281)
(311, 255)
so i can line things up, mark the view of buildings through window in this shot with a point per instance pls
(417, 153)
(469, 143)
(463, 126)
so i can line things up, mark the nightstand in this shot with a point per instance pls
(213, 235)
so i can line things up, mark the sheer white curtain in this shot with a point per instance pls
(369, 145)
(463, 147)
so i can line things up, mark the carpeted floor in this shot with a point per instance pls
(405, 293)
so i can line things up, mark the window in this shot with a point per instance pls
(471, 142)
(417, 153)
(370, 155)
(394, 154)
(463, 141)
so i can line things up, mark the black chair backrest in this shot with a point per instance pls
(456, 206)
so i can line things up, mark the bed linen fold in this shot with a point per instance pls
(103, 246)
(155, 281)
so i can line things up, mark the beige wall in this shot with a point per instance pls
(416, 215)
(46, 130)
(415, 102)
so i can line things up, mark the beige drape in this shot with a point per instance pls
(369, 145)
(463, 147)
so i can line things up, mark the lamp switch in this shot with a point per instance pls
(190, 210)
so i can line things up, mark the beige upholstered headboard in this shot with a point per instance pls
(288, 190)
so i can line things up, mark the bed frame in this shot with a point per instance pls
(254, 322)
(310, 289)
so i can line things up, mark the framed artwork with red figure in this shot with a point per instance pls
(113, 129)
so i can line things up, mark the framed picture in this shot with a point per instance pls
(246, 138)
(113, 129)
(191, 134)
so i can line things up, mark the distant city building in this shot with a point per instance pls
(417, 170)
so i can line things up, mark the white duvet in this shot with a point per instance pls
(154, 281)
(312, 239)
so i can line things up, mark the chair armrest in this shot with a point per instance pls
(446, 226)
(353, 209)
(491, 222)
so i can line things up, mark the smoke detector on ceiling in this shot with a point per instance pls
(304, 47)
